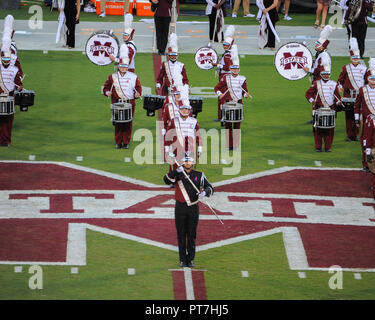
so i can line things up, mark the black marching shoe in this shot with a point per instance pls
(355, 139)
(365, 169)
(125, 146)
(183, 264)
(318, 150)
(327, 150)
(118, 146)
(347, 139)
(191, 264)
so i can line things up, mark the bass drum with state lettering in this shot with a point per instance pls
(100, 46)
(204, 57)
(290, 60)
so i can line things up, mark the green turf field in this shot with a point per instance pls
(72, 118)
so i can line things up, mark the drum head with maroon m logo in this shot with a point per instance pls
(290, 60)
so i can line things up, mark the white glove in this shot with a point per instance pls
(158, 85)
(202, 194)
(166, 149)
(199, 150)
(163, 131)
(171, 155)
(180, 169)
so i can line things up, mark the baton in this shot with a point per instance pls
(198, 192)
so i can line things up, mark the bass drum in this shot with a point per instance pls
(100, 46)
(290, 60)
(204, 57)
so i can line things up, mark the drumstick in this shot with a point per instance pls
(140, 97)
(250, 96)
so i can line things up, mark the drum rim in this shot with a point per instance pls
(217, 57)
(274, 59)
(101, 32)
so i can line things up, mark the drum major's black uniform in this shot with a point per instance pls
(187, 207)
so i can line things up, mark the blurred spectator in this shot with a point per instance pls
(246, 8)
(321, 10)
(286, 9)
(215, 10)
(162, 19)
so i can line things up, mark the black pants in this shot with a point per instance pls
(186, 220)
(211, 18)
(359, 31)
(71, 26)
(271, 36)
(162, 32)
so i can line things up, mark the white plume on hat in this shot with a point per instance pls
(325, 33)
(353, 44)
(124, 54)
(128, 21)
(371, 66)
(177, 77)
(184, 91)
(7, 34)
(185, 102)
(229, 33)
(234, 54)
(173, 42)
(8, 22)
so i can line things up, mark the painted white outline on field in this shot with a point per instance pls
(76, 244)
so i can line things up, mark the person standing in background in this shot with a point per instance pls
(162, 19)
(322, 10)
(358, 27)
(71, 10)
(246, 9)
(286, 9)
(215, 11)
(270, 9)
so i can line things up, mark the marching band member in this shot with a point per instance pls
(358, 27)
(127, 36)
(225, 62)
(324, 93)
(187, 182)
(352, 78)
(172, 104)
(369, 149)
(232, 87)
(10, 79)
(183, 133)
(167, 74)
(123, 85)
(8, 27)
(365, 105)
(321, 53)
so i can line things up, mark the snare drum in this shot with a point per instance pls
(348, 103)
(232, 112)
(121, 112)
(196, 104)
(6, 105)
(324, 118)
(152, 102)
